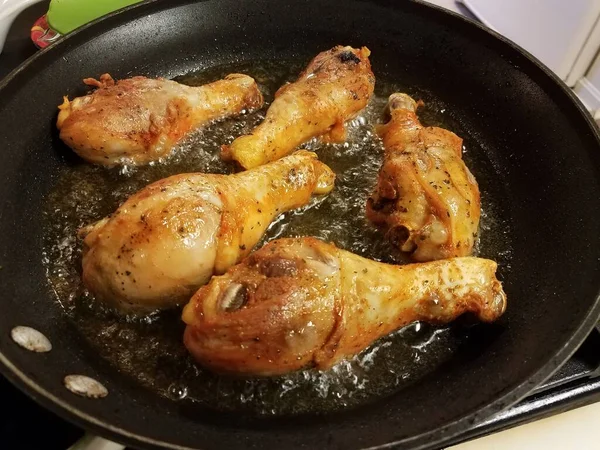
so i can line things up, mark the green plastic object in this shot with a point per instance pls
(66, 15)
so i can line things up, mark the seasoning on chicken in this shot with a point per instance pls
(335, 86)
(426, 199)
(299, 303)
(167, 240)
(138, 120)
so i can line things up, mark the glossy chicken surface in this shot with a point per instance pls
(301, 302)
(335, 86)
(139, 120)
(426, 199)
(169, 238)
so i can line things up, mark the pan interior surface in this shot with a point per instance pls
(533, 152)
(150, 350)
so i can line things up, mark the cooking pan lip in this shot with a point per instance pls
(429, 438)
(41, 52)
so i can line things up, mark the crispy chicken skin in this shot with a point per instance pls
(334, 87)
(139, 120)
(167, 240)
(301, 302)
(426, 199)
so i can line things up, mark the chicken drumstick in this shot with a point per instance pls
(167, 240)
(301, 302)
(334, 87)
(426, 199)
(139, 120)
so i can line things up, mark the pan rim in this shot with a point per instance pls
(423, 440)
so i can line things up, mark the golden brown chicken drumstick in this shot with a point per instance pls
(426, 198)
(334, 87)
(139, 120)
(298, 303)
(168, 239)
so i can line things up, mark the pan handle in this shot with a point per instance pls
(9, 10)
(91, 442)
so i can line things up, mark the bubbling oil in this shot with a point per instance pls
(150, 349)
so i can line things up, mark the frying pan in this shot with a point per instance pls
(542, 144)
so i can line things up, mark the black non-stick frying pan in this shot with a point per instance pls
(543, 147)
